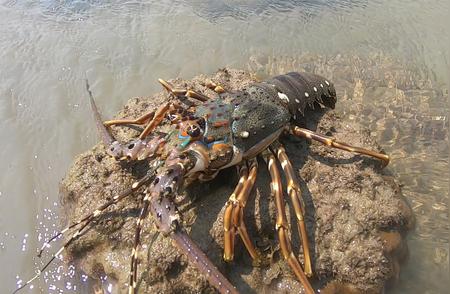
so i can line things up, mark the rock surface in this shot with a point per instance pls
(355, 214)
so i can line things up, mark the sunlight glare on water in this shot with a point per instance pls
(48, 48)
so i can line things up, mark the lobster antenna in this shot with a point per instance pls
(106, 137)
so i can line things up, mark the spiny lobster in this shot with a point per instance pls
(189, 142)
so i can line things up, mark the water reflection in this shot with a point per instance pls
(213, 11)
(242, 10)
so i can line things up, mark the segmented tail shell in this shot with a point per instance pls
(302, 90)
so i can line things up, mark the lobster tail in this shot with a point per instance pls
(302, 90)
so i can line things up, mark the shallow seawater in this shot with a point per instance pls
(48, 48)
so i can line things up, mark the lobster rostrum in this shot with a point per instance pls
(190, 141)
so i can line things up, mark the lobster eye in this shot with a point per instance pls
(115, 150)
(172, 117)
(194, 131)
(168, 190)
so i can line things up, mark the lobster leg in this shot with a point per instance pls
(238, 214)
(282, 224)
(133, 267)
(138, 121)
(228, 226)
(159, 116)
(182, 92)
(293, 190)
(234, 216)
(329, 141)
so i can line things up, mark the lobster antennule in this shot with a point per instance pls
(302, 90)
